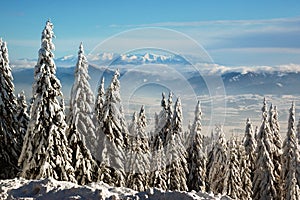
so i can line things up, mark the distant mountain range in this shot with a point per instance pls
(254, 81)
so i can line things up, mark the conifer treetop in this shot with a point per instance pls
(264, 110)
(163, 100)
(291, 123)
(48, 34)
(198, 112)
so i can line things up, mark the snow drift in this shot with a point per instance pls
(51, 189)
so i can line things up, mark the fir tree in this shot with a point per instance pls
(11, 139)
(81, 104)
(100, 100)
(245, 173)
(176, 177)
(178, 166)
(132, 128)
(163, 121)
(112, 125)
(22, 114)
(298, 132)
(98, 115)
(290, 189)
(196, 157)
(85, 167)
(264, 179)
(232, 185)
(209, 162)
(105, 171)
(216, 173)
(170, 123)
(45, 151)
(250, 145)
(158, 177)
(277, 144)
(139, 160)
(80, 132)
(263, 182)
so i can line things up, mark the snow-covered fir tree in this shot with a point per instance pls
(105, 171)
(98, 115)
(277, 144)
(249, 143)
(263, 182)
(209, 162)
(85, 167)
(11, 138)
(177, 170)
(139, 160)
(132, 128)
(45, 152)
(158, 176)
(293, 189)
(176, 175)
(216, 171)
(298, 132)
(113, 126)
(80, 132)
(245, 173)
(196, 156)
(163, 121)
(22, 113)
(264, 179)
(100, 100)
(82, 100)
(232, 185)
(289, 174)
(169, 123)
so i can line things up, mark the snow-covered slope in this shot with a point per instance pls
(51, 189)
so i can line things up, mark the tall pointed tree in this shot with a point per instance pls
(80, 133)
(163, 121)
(81, 103)
(45, 151)
(139, 160)
(196, 156)
(176, 177)
(158, 176)
(245, 173)
(264, 179)
(176, 151)
(216, 173)
(277, 144)
(100, 100)
(250, 146)
(170, 115)
(98, 115)
(85, 167)
(10, 137)
(105, 171)
(298, 132)
(22, 113)
(232, 185)
(289, 173)
(112, 125)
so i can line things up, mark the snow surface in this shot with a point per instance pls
(49, 189)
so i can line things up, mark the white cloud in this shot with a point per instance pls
(216, 69)
(23, 63)
(212, 22)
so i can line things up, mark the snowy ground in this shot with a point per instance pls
(59, 190)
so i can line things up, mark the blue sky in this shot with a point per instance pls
(233, 32)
